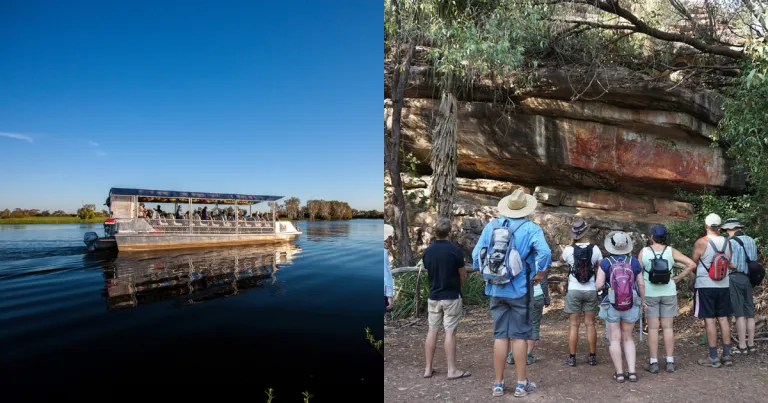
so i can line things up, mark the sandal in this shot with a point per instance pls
(620, 378)
(752, 349)
(631, 376)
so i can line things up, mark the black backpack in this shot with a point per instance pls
(660, 272)
(582, 268)
(756, 270)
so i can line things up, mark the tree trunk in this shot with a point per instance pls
(444, 155)
(405, 255)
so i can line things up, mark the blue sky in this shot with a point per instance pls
(249, 97)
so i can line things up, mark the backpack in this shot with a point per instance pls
(622, 283)
(660, 271)
(756, 270)
(582, 268)
(500, 262)
(718, 268)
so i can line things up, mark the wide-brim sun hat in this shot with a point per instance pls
(517, 205)
(731, 223)
(388, 231)
(579, 229)
(618, 243)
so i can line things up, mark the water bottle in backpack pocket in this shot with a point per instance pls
(500, 262)
(660, 272)
(622, 283)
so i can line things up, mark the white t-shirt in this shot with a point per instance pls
(597, 256)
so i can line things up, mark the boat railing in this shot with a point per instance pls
(210, 227)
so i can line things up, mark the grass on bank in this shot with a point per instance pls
(473, 293)
(51, 220)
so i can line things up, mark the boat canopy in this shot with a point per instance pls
(172, 196)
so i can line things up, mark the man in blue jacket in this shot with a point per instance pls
(512, 303)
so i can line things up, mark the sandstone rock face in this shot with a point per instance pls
(616, 157)
(524, 148)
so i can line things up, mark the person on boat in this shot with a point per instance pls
(178, 213)
(142, 211)
(205, 213)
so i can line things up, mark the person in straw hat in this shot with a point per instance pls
(621, 323)
(583, 257)
(511, 303)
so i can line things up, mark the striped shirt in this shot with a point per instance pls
(738, 253)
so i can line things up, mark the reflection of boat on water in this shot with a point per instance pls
(192, 276)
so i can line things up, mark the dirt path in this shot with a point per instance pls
(746, 381)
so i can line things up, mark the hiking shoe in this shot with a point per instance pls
(530, 359)
(498, 389)
(727, 360)
(570, 361)
(591, 360)
(671, 367)
(523, 389)
(652, 368)
(708, 362)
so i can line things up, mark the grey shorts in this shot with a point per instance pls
(741, 296)
(661, 307)
(579, 301)
(538, 311)
(611, 315)
(509, 318)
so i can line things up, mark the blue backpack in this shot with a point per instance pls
(500, 262)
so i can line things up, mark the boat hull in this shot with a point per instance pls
(141, 242)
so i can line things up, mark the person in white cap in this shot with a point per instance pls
(512, 303)
(712, 254)
(621, 306)
(389, 284)
(742, 300)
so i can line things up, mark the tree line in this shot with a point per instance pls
(86, 212)
(323, 210)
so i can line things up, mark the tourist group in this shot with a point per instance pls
(513, 256)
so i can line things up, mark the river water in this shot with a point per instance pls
(291, 318)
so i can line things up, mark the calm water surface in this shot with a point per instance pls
(291, 318)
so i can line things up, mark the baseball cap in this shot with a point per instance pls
(713, 220)
(659, 231)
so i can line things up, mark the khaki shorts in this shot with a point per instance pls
(578, 301)
(661, 307)
(445, 312)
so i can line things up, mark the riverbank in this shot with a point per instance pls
(50, 220)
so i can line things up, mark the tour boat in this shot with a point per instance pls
(132, 227)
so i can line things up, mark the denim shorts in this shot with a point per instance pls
(611, 315)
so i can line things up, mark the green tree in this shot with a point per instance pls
(86, 212)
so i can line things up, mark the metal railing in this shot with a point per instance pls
(212, 227)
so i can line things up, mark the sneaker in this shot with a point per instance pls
(591, 360)
(671, 367)
(498, 389)
(570, 361)
(708, 362)
(652, 368)
(510, 359)
(530, 359)
(727, 360)
(523, 389)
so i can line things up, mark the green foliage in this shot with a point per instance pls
(377, 344)
(683, 234)
(472, 293)
(87, 212)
